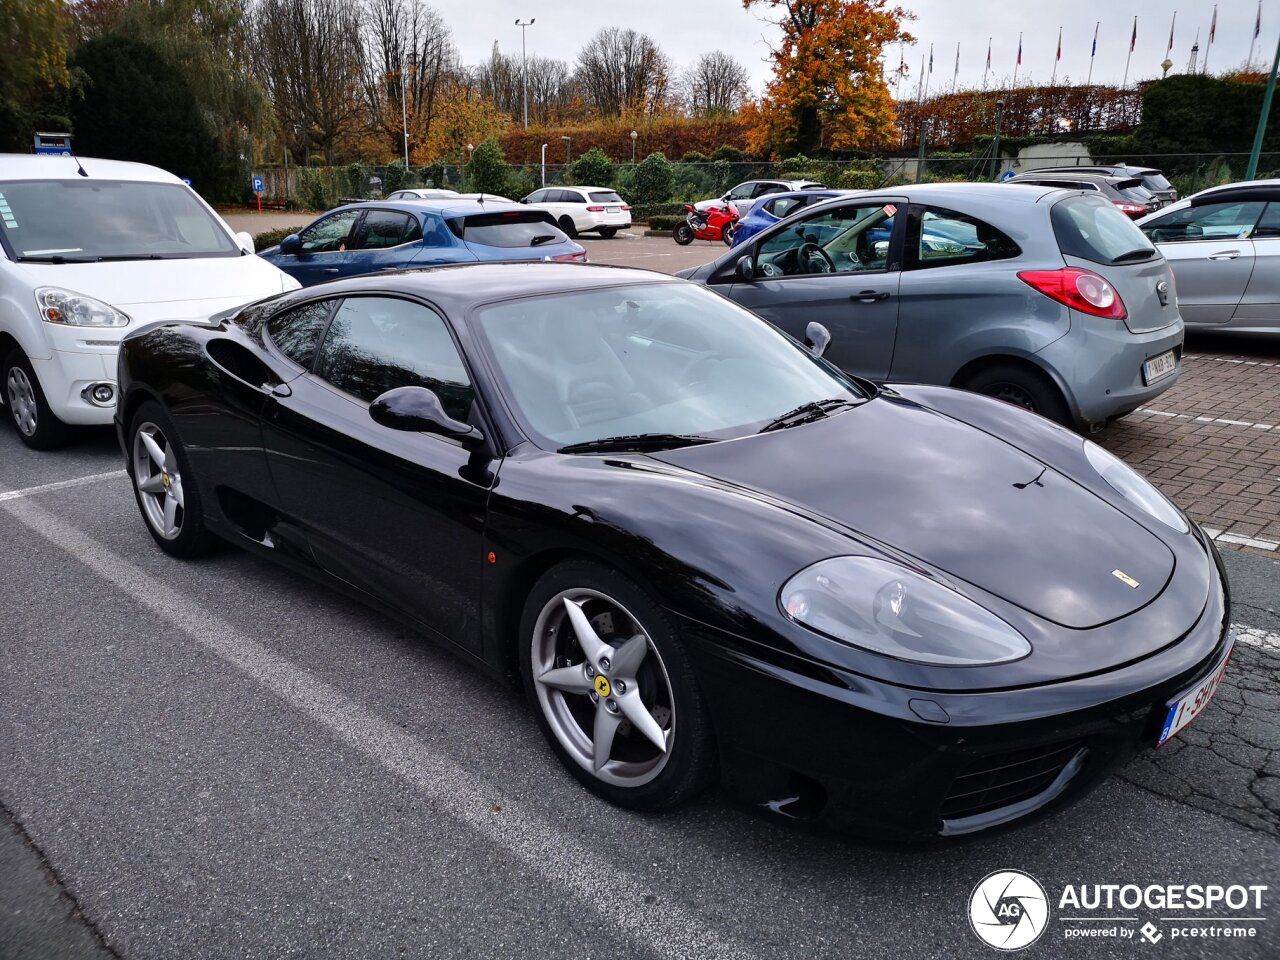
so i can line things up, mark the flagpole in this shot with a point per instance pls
(1213, 27)
(1133, 39)
(920, 82)
(955, 76)
(1093, 53)
(987, 69)
(1253, 44)
(926, 76)
(1017, 62)
(1056, 57)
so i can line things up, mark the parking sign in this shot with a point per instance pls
(257, 185)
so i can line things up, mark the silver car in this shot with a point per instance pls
(1224, 245)
(1049, 299)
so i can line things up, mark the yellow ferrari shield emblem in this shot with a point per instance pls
(1124, 578)
(602, 685)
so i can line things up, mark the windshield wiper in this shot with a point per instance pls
(133, 256)
(1139, 254)
(807, 412)
(637, 441)
(57, 258)
(542, 238)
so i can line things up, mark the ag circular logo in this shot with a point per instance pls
(1008, 910)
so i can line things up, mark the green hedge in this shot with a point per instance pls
(664, 223)
(645, 211)
(269, 238)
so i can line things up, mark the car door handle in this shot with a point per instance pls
(1224, 255)
(870, 296)
(330, 269)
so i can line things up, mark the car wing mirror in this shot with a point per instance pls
(746, 269)
(245, 240)
(880, 249)
(419, 410)
(291, 244)
(817, 338)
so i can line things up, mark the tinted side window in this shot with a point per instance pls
(330, 233)
(1268, 227)
(1210, 221)
(569, 196)
(538, 196)
(743, 191)
(941, 238)
(784, 206)
(376, 344)
(296, 333)
(387, 228)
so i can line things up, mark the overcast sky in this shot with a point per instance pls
(686, 28)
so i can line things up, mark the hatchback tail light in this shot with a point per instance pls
(1078, 289)
(595, 209)
(1131, 209)
(626, 208)
(579, 257)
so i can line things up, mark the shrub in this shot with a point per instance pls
(592, 169)
(653, 180)
(394, 177)
(269, 238)
(521, 182)
(664, 223)
(488, 171)
(729, 154)
(646, 211)
(355, 179)
(311, 189)
(693, 156)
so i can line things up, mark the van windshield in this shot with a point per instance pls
(91, 220)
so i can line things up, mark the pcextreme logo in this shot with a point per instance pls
(1008, 910)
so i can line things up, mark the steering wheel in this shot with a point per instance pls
(811, 251)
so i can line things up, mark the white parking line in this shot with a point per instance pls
(1220, 420)
(1243, 363)
(1260, 543)
(59, 485)
(638, 909)
(1254, 637)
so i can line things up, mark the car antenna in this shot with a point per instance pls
(79, 167)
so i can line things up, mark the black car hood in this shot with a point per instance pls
(955, 498)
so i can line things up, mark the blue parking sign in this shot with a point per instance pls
(257, 185)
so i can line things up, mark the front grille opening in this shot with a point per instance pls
(1006, 778)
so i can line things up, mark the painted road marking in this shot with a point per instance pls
(1151, 411)
(1254, 637)
(1259, 543)
(60, 485)
(635, 907)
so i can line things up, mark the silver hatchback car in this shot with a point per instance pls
(1046, 298)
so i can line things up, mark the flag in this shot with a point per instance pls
(1094, 52)
(1169, 49)
(1213, 23)
(988, 53)
(1059, 56)
(931, 58)
(1019, 49)
(1257, 24)
(1133, 40)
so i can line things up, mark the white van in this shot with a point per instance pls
(90, 250)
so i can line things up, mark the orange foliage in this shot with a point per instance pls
(828, 87)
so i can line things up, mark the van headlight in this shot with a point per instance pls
(76, 310)
(1133, 487)
(890, 609)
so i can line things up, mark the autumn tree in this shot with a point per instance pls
(622, 71)
(33, 51)
(828, 86)
(716, 84)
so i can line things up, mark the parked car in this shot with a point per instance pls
(1224, 246)
(583, 209)
(90, 250)
(1151, 178)
(1127, 193)
(1051, 300)
(745, 194)
(423, 193)
(915, 612)
(770, 208)
(393, 235)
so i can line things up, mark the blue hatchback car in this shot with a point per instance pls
(377, 236)
(773, 207)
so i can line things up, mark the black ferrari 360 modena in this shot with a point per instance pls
(704, 551)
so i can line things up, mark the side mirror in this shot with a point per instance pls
(746, 269)
(291, 244)
(880, 249)
(246, 241)
(418, 410)
(817, 338)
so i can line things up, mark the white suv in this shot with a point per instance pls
(744, 195)
(89, 251)
(580, 209)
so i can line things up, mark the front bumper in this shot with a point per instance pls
(874, 759)
(66, 376)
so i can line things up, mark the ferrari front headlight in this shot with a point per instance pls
(889, 609)
(1133, 487)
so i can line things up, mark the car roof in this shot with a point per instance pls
(457, 287)
(579, 186)
(1245, 190)
(1092, 176)
(452, 206)
(940, 192)
(30, 166)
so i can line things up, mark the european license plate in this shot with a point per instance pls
(612, 209)
(1159, 367)
(1182, 710)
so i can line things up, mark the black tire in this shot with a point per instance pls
(608, 232)
(1022, 386)
(682, 234)
(727, 234)
(567, 227)
(34, 421)
(192, 538)
(690, 763)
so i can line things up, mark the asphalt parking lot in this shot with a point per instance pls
(219, 758)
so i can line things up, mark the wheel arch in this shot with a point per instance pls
(985, 362)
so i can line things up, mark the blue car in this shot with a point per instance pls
(372, 237)
(773, 207)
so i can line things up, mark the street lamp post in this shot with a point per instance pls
(544, 164)
(524, 66)
(404, 110)
(567, 140)
(633, 147)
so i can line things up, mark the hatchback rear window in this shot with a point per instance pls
(512, 228)
(1093, 229)
(604, 196)
(1156, 181)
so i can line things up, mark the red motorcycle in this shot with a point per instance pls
(716, 223)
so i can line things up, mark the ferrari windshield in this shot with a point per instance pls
(89, 219)
(669, 359)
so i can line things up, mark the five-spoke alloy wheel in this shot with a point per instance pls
(162, 485)
(613, 688)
